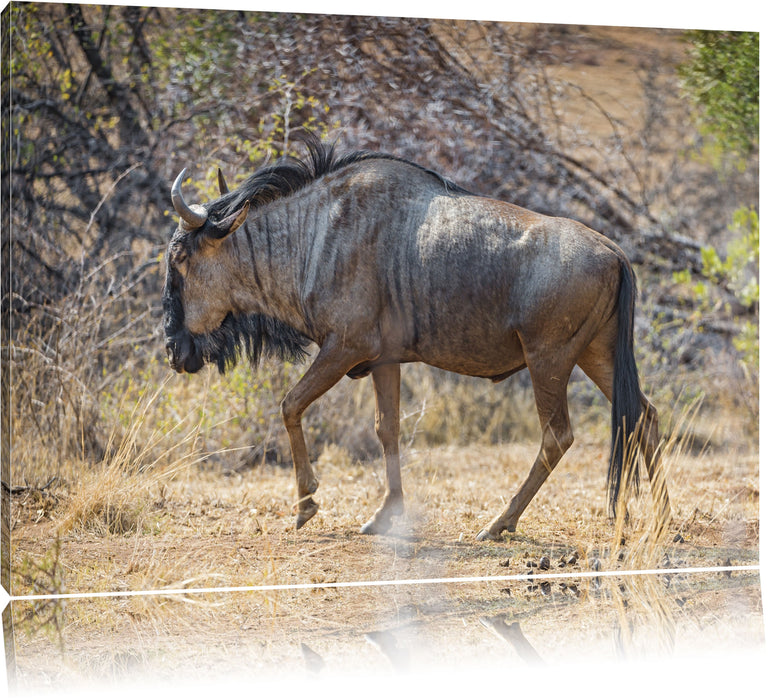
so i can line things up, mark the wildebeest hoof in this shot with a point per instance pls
(381, 521)
(486, 534)
(370, 528)
(377, 525)
(305, 513)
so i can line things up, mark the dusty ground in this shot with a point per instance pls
(238, 529)
(204, 530)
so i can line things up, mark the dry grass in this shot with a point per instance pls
(147, 500)
(156, 517)
(114, 497)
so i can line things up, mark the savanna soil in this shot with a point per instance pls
(237, 530)
(203, 530)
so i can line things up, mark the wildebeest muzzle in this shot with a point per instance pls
(183, 354)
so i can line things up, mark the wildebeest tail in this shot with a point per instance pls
(626, 393)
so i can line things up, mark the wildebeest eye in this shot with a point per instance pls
(179, 257)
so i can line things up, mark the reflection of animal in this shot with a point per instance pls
(379, 261)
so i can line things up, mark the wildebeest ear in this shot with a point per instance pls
(222, 186)
(229, 224)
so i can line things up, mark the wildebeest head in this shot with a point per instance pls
(201, 323)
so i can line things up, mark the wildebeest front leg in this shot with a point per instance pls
(387, 383)
(327, 369)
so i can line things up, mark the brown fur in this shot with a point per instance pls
(381, 262)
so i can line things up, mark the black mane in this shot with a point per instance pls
(292, 174)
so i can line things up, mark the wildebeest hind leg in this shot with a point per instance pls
(387, 382)
(327, 369)
(551, 404)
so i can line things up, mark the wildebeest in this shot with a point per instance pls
(379, 261)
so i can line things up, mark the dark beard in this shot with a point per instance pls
(251, 336)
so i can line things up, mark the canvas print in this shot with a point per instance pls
(364, 344)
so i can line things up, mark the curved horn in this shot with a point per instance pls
(190, 217)
(222, 186)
